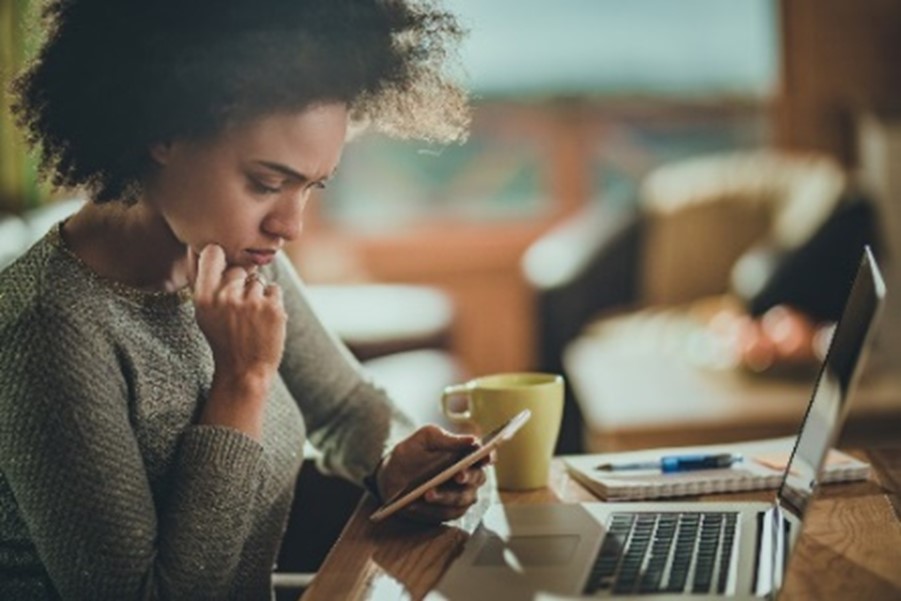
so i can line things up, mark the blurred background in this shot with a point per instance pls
(574, 102)
(624, 154)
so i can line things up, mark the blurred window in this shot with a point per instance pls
(631, 142)
(656, 80)
(658, 47)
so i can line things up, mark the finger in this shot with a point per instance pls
(471, 476)
(485, 461)
(234, 277)
(209, 270)
(439, 439)
(273, 295)
(452, 497)
(232, 285)
(273, 292)
(254, 287)
(422, 511)
(454, 488)
(255, 275)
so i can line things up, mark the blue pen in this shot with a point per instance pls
(677, 463)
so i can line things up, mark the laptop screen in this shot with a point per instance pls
(837, 374)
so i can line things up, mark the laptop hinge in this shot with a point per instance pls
(780, 549)
(770, 552)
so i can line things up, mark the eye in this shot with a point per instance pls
(261, 188)
(319, 185)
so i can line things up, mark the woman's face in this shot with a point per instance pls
(246, 189)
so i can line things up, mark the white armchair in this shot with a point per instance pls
(701, 215)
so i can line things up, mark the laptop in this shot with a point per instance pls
(671, 550)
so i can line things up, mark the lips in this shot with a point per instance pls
(261, 256)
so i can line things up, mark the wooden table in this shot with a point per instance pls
(850, 549)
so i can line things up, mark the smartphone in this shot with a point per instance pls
(449, 468)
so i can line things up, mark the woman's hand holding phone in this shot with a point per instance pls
(434, 475)
(418, 454)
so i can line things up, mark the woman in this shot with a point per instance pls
(160, 366)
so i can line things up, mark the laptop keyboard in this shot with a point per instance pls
(648, 552)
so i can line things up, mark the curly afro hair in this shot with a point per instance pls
(115, 76)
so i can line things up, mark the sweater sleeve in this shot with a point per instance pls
(350, 420)
(71, 459)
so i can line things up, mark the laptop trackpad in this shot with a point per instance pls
(542, 550)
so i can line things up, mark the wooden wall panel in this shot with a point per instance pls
(479, 267)
(838, 57)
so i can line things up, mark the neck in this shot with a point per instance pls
(132, 245)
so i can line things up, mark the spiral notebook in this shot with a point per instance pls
(762, 467)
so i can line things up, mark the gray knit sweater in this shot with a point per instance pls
(108, 487)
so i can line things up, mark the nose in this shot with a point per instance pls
(286, 218)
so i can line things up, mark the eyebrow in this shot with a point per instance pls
(287, 171)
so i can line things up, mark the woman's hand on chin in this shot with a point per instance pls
(243, 320)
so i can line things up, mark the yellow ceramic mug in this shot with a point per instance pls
(523, 462)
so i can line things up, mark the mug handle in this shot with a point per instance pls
(452, 391)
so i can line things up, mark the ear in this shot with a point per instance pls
(160, 152)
